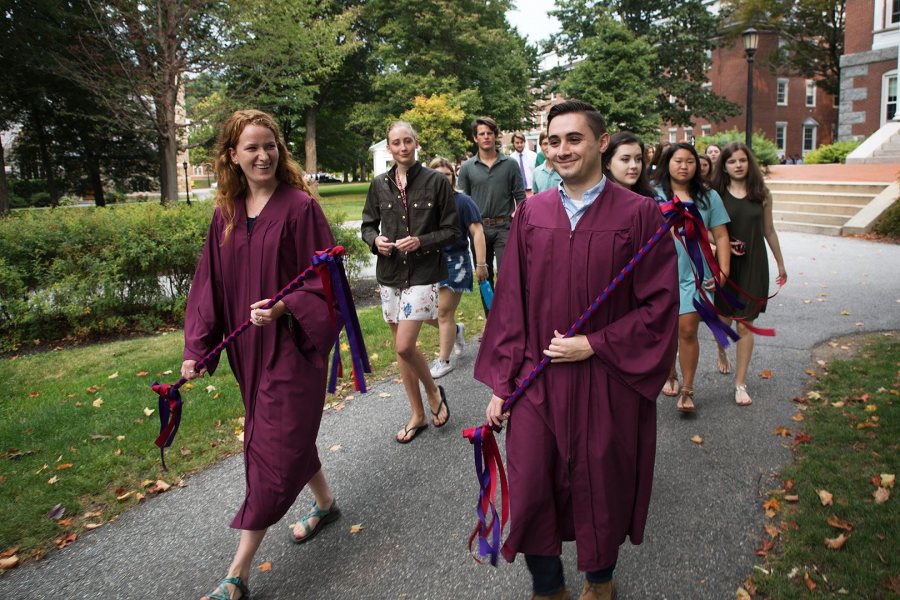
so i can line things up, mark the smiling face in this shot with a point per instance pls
(682, 167)
(485, 138)
(575, 150)
(402, 144)
(737, 165)
(626, 164)
(256, 153)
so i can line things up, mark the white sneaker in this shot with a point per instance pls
(440, 368)
(460, 343)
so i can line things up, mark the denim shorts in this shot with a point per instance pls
(459, 271)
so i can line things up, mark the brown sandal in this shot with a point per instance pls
(672, 387)
(689, 393)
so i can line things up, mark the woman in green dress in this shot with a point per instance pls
(749, 204)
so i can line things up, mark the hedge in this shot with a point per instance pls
(92, 272)
(765, 150)
(832, 153)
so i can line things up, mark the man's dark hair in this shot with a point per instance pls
(518, 136)
(484, 121)
(594, 118)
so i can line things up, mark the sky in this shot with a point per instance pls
(530, 18)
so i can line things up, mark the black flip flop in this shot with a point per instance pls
(415, 432)
(445, 405)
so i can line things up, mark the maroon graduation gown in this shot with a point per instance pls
(581, 443)
(281, 368)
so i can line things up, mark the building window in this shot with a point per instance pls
(781, 136)
(810, 93)
(673, 136)
(888, 96)
(688, 134)
(706, 130)
(781, 93)
(809, 138)
(893, 12)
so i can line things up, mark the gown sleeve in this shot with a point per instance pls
(504, 340)
(203, 317)
(307, 305)
(639, 348)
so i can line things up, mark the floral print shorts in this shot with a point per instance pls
(415, 303)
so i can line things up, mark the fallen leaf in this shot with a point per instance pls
(887, 480)
(148, 411)
(813, 395)
(114, 375)
(138, 497)
(742, 594)
(771, 530)
(97, 403)
(766, 374)
(788, 485)
(33, 394)
(798, 417)
(216, 395)
(90, 526)
(802, 438)
(764, 547)
(188, 386)
(54, 479)
(838, 404)
(93, 514)
(79, 404)
(881, 495)
(118, 452)
(138, 420)
(185, 451)
(807, 301)
(64, 466)
(65, 541)
(124, 497)
(159, 487)
(167, 372)
(67, 522)
(697, 439)
(142, 373)
(809, 582)
(836, 543)
(825, 497)
(845, 312)
(210, 389)
(384, 395)
(782, 431)
(56, 512)
(373, 356)
(839, 523)
(791, 498)
(10, 562)
(93, 389)
(810, 372)
(120, 437)
(871, 408)
(265, 567)
(335, 448)
(356, 528)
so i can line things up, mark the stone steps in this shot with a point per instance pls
(818, 207)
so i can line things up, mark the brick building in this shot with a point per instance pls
(790, 110)
(869, 67)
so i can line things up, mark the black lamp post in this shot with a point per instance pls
(187, 184)
(751, 41)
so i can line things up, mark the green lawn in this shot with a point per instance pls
(341, 189)
(346, 198)
(76, 437)
(852, 420)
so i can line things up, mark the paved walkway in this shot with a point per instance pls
(416, 502)
(880, 173)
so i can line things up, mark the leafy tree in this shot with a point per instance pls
(626, 63)
(682, 32)
(765, 150)
(284, 52)
(432, 47)
(812, 32)
(438, 120)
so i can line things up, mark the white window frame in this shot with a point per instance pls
(673, 135)
(810, 97)
(688, 133)
(782, 126)
(785, 82)
(889, 14)
(813, 129)
(885, 81)
(706, 130)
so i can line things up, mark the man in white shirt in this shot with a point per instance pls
(525, 158)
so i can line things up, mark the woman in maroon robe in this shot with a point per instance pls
(264, 232)
(581, 442)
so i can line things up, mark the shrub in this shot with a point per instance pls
(832, 153)
(39, 199)
(765, 150)
(88, 272)
(888, 223)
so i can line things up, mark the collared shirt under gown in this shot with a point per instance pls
(581, 443)
(281, 368)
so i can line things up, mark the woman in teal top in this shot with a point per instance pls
(678, 175)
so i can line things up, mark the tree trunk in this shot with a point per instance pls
(4, 191)
(46, 160)
(163, 172)
(310, 147)
(93, 167)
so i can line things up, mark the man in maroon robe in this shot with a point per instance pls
(581, 442)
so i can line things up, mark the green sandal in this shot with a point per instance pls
(325, 517)
(221, 591)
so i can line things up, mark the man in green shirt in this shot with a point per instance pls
(495, 184)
